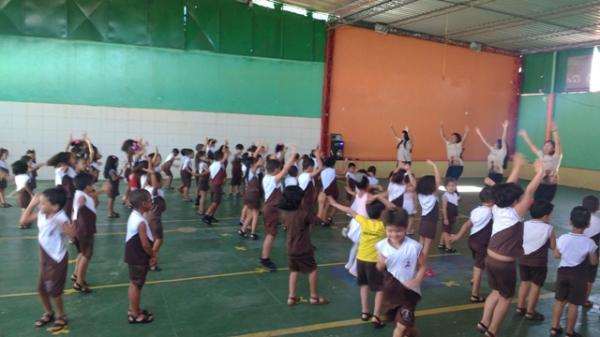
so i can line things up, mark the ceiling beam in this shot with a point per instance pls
(354, 7)
(438, 12)
(379, 8)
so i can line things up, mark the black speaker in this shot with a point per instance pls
(337, 146)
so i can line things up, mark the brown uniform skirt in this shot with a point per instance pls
(186, 178)
(271, 212)
(23, 198)
(400, 301)
(478, 244)
(452, 213)
(332, 190)
(53, 275)
(429, 223)
(502, 276)
(252, 194)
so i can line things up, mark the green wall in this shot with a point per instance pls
(91, 73)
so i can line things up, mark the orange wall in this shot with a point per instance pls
(381, 79)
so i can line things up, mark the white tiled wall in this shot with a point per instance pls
(46, 128)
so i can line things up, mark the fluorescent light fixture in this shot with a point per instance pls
(264, 3)
(465, 188)
(320, 16)
(295, 9)
(595, 72)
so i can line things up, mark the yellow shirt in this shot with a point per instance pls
(372, 231)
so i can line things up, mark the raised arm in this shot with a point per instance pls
(286, 166)
(69, 141)
(527, 199)
(518, 163)
(225, 155)
(318, 170)
(504, 132)
(556, 137)
(442, 132)
(527, 140)
(466, 134)
(394, 133)
(436, 172)
(478, 132)
(29, 216)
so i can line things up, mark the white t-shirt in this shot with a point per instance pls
(170, 157)
(159, 192)
(404, 153)
(535, 235)
(574, 249)
(60, 172)
(304, 179)
(480, 217)
(89, 203)
(594, 228)
(454, 152)
(372, 180)
(186, 163)
(3, 165)
(504, 218)
(496, 159)
(51, 237)
(395, 191)
(290, 181)
(269, 185)
(427, 202)
(214, 168)
(452, 198)
(133, 225)
(409, 203)
(327, 177)
(402, 262)
(549, 162)
(21, 181)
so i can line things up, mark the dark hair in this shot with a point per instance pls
(175, 151)
(20, 167)
(553, 146)
(3, 151)
(279, 147)
(186, 152)
(351, 164)
(129, 146)
(252, 148)
(506, 194)
(591, 203)
(363, 183)
(580, 217)
(399, 177)
(83, 180)
(218, 155)
(201, 153)
(59, 158)
(486, 194)
(458, 137)
(199, 147)
(273, 165)
(449, 180)
(137, 197)
(26, 158)
(329, 162)
(396, 217)
(291, 198)
(111, 164)
(239, 147)
(426, 185)
(56, 196)
(293, 171)
(140, 166)
(541, 208)
(372, 169)
(307, 162)
(374, 209)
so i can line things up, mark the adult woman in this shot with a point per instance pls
(496, 157)
(403, 147)
(454, 151)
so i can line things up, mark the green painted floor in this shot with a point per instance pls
(210, 284)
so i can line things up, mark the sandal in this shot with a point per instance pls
(241, 233)
(82, 288)
(293, 300)
(588, 304)
(520, 311)
(450, 250)
(318, 300)
(477, 299)
(556, 331)
(142, 318)
(378, 324)
(114, 215)
(73, 277)
(441, 247)
(59, 324)
(365, 316)
(482, 328)
(24, 226)
(488, 333)
(573, 334)
(534, 316)
(46, 318)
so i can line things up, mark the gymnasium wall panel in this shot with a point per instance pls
(532, 117)
(381, 79)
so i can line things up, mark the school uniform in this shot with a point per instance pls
(404, 151)
(396, 194)
(54, 258)
(571, 280)
(372, 231)
(533, 266)
(507, 240)
(409, 203)
(550, 164)
(451, 210)
(64, 178)
(401, 266)
(354, 232)
(217, 179)
(33, 174)
(236, 171)
(430, 212)
(328, 179)
(351, 180)
(593, 232)
(300, 250)
(186, 168)
(253, 191)
(4, 169)
(272, 191)
(479, 236)
(84, 218)
(455, 163)
(114, 184)
(204, 178)
(166, 165)
(22, 182)
(495, 161)
(290, 181)
(307, 184)
(95, 169)
(154, 216)
(135, 256)
(372, 180)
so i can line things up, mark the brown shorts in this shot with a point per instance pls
(23, 198)
(400, 301)
(448, 228)
(303, 264)
(156, 227)
(429, 224)
(53, 275)
(502, 276)
(137, 274)
(369, 275)
(270, 218)
(479, 252)
(236, 180)
(216, 194)
(186, 178)
(85, 245)
(536, 275)
(571, 286)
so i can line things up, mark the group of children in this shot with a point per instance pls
(300, 192)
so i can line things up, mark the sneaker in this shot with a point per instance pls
(206, 220)
(267, 263)
(254, 237)
(242, 233)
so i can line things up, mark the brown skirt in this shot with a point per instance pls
(53, 275)
(23, 198)
(186, 178)
(429, 223)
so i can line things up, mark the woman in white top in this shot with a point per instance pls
(454, 151)
(550, 155)
(404, 146)
(497, 157)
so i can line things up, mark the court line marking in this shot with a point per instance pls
(356, 321)
(191, 278)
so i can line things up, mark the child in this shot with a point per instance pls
(330, 189)
(538, 236)
(166, 167)
(53, 224)
(592, 204)
(3, 177)
(410, 201)
(401, 260)
(33, 167)
(372, 175)
(480, 225)
(154, 215)
(369, 278)
(306, 181)
(292, 178)
(271, 184)
(111, 186)
(24, 187)
(575, 251)
(427, 188)
(64, 173)
(217, 179)
(506, 244)
(350, 179)
(84, 219)
(236, 171)
(397, 184)
(301, 258)
(139, 254)
(450, 200)
(186, 173)
(203, 182)
(252, 196)
(353, 231)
